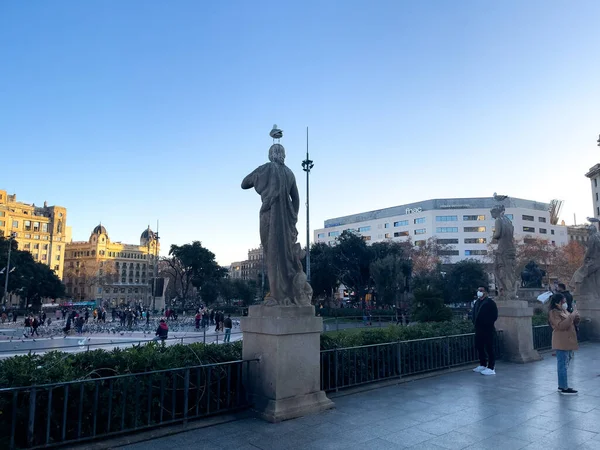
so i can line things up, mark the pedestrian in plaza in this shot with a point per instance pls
(564, 338)
(15, 315)
(86, 315)
(485, 314)
(35, 323)
(147, 317)
(217, 320)
(198, 318)
(162, 332)
(212, 316)
(228, 324)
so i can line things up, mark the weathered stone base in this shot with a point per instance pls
(514, 318)
(287, 381)
(589, 309)
(293, 407)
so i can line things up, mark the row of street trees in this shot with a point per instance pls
(32, 281)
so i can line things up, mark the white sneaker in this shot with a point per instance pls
(487, 371)
(479, 369)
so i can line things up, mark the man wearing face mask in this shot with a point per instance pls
(485, 313)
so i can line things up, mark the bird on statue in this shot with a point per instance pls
(500, 198)
(276, 133)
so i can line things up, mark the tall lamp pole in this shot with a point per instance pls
(7, 270)
(307, 165)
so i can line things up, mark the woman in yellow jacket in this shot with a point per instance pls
(564, 338)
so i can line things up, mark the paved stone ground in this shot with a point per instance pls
(519, 408)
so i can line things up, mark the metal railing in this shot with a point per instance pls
(542, 337)
(63, 413)
(353, 366)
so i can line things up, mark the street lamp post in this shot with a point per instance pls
(5, 294)
(307, 165)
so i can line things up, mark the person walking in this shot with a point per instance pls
(564, 338)
(35, 323)
(228, 324)
(197, 319)
(485, 314)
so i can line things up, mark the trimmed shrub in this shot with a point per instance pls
(394, 333)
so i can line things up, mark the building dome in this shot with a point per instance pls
(147, 234)
(99, 230)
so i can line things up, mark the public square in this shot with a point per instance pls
(519, 408)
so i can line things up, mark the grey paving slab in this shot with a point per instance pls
(519, 408)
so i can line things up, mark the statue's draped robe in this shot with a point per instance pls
(276, 185)
(586, 279)
(506, 258)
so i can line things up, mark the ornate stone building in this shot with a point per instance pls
(42, 231)
(113, 273)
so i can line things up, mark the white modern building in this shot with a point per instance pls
(465, 225)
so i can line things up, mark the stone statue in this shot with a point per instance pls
(505, 255)
(586, 280)
(532, 276)
(276, 185)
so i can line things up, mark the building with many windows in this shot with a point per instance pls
(112, 273)
(250, 269)
(594, 175)
(42, 231)
(463, 225)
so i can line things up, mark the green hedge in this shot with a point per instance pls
(57, 367)
(540, 319)
(346, 312)
(394, 334)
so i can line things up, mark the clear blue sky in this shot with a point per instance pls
(129, 112)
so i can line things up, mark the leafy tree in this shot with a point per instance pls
(390, 275)
(428, 306)
(464, 278)
(192, 266)
(428, 256)
(245, 291)
(323, 274)
(31, 281)
(569, 258)
(352, 261)
(210, 291)
(227, 290)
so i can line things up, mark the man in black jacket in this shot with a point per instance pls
(485, 313)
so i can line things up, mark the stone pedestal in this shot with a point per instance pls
(287, 381)
(589, 309)
(514, 319)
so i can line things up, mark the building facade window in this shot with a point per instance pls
(321, 235)
(387, 225)
(480, 217)
(421, 231)
(447, 241)
(363, 229)
(401, 233)
(528, 218)
(334, 233)
(420, 243)
(529, 229)
(446, 218)
(27, 225)
(44, 228)
(475, 240)
(551, 231)
(15, 224)
(446, 230)
(366, 238)
(448, 253)
(36, 226)
(388, 235)
(474, 229)
(475, 252)
(401, 223)
(419, 220)
(542, 219)
(543, 231)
